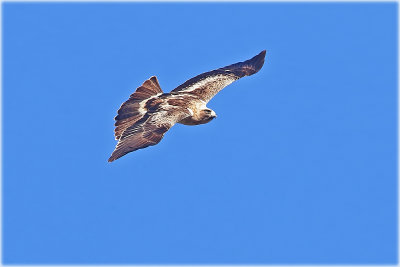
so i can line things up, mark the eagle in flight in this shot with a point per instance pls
(149, 113)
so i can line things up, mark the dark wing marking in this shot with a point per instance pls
(208, 84)
(149, 130)
(130, 111)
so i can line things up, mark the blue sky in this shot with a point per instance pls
(299, 167)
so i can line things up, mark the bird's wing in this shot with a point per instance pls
(131, 110)
(208, 84)
(149, 130)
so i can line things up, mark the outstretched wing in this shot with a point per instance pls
(149, 130)
(208, 84)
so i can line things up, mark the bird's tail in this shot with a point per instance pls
(130, 111)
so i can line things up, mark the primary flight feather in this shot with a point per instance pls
(149, 113)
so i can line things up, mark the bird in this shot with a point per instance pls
(149, 113)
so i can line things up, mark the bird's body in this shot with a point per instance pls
(144, 118)
(195, 106)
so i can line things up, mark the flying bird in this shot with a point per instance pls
(149, 113)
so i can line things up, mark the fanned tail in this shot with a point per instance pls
(130, 111)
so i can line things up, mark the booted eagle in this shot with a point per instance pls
(149, 113)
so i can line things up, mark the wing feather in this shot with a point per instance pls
(149, 130)
(208, 84)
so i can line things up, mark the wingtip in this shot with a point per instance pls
(261, 55)
(112, 158)
(258, 61)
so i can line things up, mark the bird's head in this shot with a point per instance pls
(208, 114)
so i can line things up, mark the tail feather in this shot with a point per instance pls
(130, 111)
(149, 88)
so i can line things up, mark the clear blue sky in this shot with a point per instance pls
(299, 167)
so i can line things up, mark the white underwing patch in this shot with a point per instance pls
(190, 111)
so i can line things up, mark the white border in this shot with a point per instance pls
(199, 1)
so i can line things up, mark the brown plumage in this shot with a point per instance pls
(149, 113)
